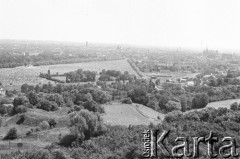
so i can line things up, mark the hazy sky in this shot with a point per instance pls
(179, 23)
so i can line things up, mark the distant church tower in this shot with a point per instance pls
(86, 43)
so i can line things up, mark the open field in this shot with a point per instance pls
(127, 114)
(218, 104)
(223, 104)
(174, 75)
(13, 78)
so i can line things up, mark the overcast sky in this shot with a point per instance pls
(178, 23)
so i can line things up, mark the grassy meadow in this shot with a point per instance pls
(13, 78)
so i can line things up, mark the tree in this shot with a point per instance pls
(45, 105)
(37, 88)
(220, 81)
(171, 106)
(200, 101)
(9, 93)
(234, 106)
(52, 123)
(153, 104)
(101, 97)
(57, 98)
(158, 82)
(44, 125)
(20, 109)
(93, 106)
(213, 83)
(33, 98)
(163, 99)
(21, 100)
(59, 88)
(85, 124)
(139, 95)
(126, 100)
(24, 88)
(5, 101)
(184, 104)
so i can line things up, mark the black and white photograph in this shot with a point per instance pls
(119, 79)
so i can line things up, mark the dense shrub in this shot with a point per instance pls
(11, 134)
(67, 140)
(6, 109)
(126, 100)
(21, 100)
(138, 95)
(21, 119)
(93, 106)
(172, 106)
(44, 125)
(153, 104)
(173, 116)
(47, 105)
(234, 106)
(1, 121)
(20, 109)
(52, 123)
(5, 101)
(191, 116)
(58, 154)
(85, 124)
(28, 133)
(200, 101)
(33, 98)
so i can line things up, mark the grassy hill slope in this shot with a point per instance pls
(126, 114)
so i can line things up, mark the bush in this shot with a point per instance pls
(20, 109)
(1, 121)
(94, 106)
(126, 100)
(47, 105)
(11, 134)
(37, 154)
(192, 116)
(37, 129)
(52, 123)
(54, 106)
(86, 124)
(22, 100)
(5, 101)
(21, 120)
(153, 104)
(78, 107)
(173, 116)
(200, 101)
(234, 106)
(29, 105)
(28, 133)
(67, 140)
(44, 125)
(58, 154)
(171, 106)
(9, 93)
